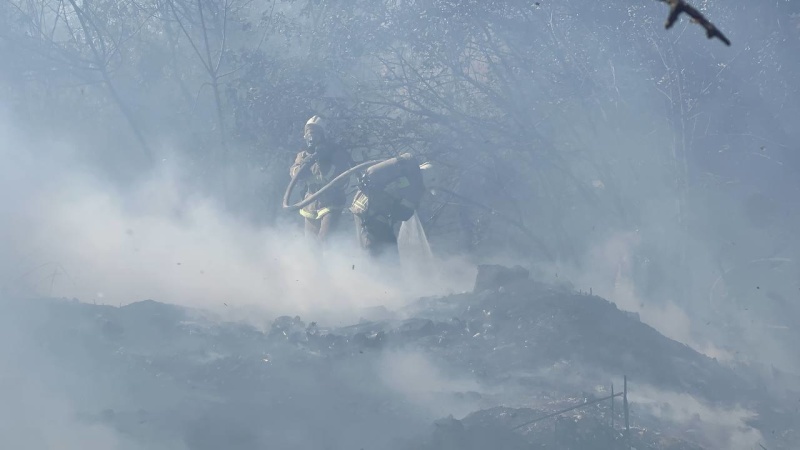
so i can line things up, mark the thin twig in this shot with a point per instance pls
(619, 394)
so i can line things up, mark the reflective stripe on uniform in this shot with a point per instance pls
(359, 203)
(315, 215)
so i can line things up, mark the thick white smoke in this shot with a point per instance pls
(72, 234)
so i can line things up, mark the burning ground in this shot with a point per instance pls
(463, 371)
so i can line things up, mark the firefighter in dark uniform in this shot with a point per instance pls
(388, 194)
(326, 161)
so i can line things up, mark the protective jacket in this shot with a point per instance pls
(390, 191)
(325, 168)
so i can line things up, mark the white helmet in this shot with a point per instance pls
(316, 121)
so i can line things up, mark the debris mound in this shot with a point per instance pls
(160, 373)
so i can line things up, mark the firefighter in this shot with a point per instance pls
(388, 194)
(317, 164)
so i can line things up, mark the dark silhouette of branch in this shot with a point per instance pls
(207, 60)
(677, 7)
(101, 61)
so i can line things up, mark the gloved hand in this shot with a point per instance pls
(309, 159)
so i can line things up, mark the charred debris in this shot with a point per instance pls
(543, 362)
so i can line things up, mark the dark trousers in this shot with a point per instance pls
(377, 237)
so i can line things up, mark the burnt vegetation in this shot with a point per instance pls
(557, 125)
(540, 100)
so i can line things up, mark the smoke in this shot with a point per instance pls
(607, 270)
(76, 235)
(428, 387)
(716, 427)
(73, 232)
(718, 287)
(28, 404)
(42, 401)
(23, 414)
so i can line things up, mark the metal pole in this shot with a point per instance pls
(625, 407)
(612, 407)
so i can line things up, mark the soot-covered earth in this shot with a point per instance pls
(483, 369)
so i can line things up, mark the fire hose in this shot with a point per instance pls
(308, 200)
(366, 164)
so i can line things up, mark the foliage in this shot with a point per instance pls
(560, 122)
